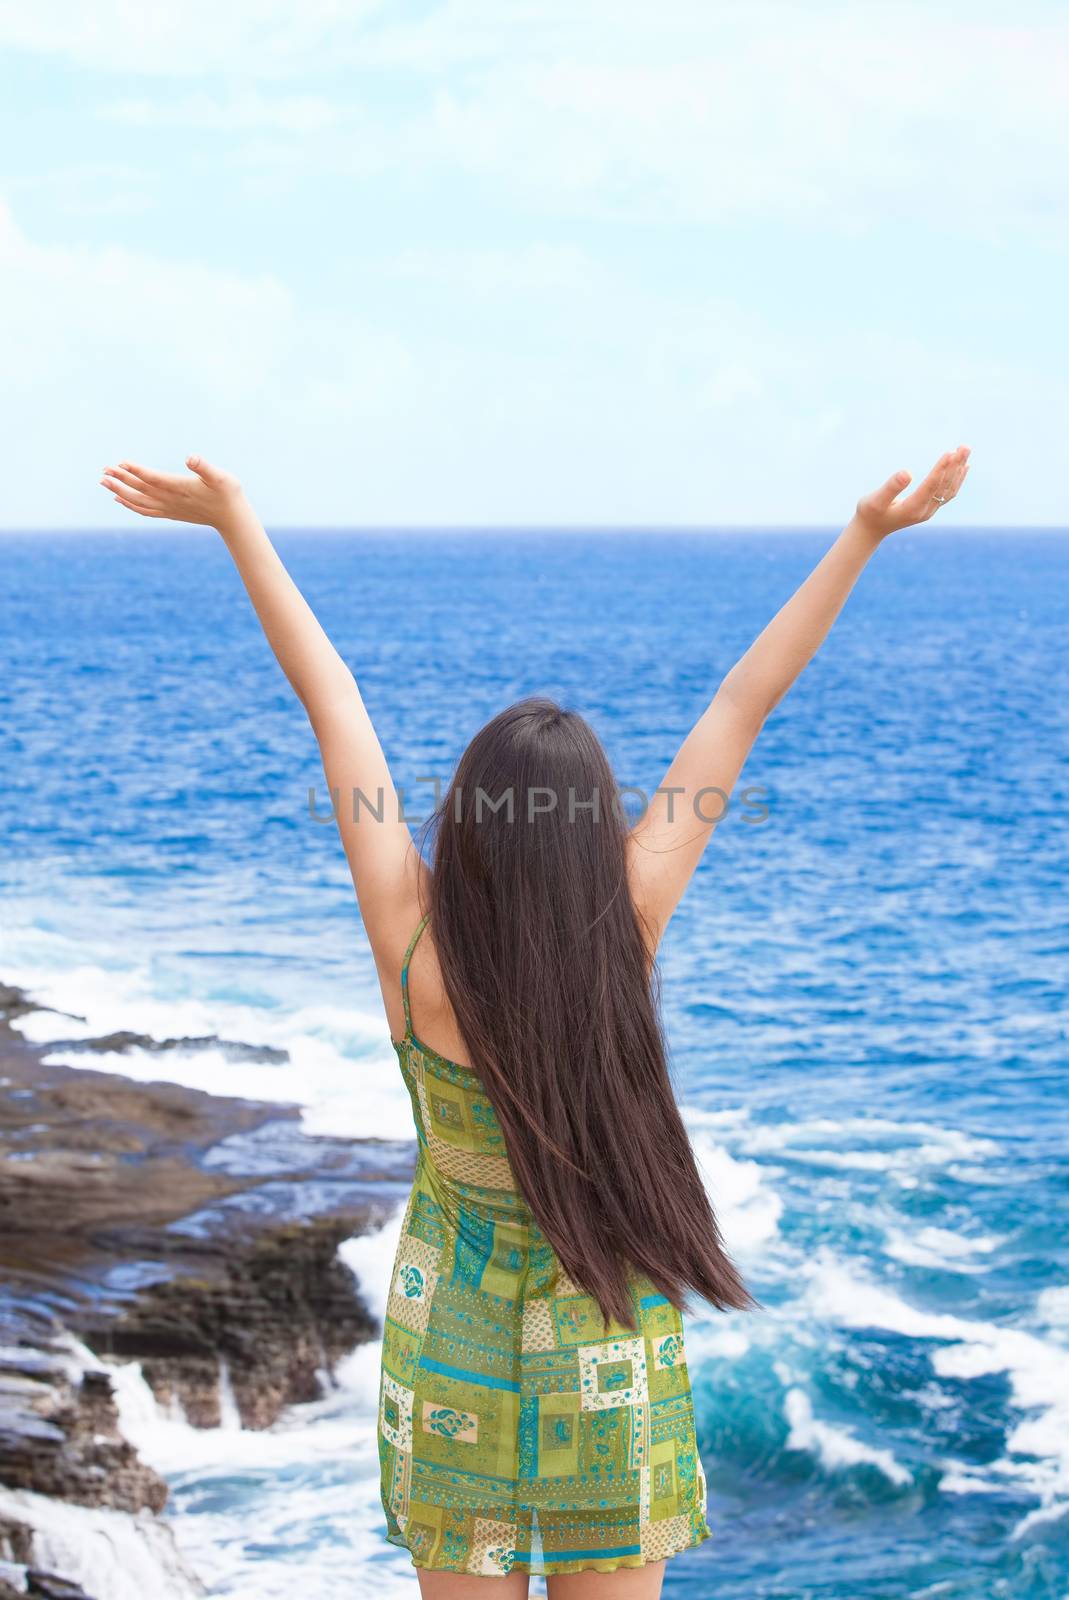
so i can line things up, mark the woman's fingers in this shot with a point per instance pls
(142, 508)
(146, 474)
(928, 495)
(938, 487)
(129, 489)
(115, 475)
(204, 470)
(953, 477)
(884, 497)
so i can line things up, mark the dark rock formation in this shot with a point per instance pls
(278, 1313)
(44, 1586)
(59, 1431)
(119, 1043)
(194, 1233)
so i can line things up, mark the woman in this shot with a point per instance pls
(535, 1410)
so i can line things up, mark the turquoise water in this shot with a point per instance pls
(865, 992)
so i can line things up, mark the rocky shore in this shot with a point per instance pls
(195, 1234)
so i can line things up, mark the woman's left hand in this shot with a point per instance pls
(887, 510)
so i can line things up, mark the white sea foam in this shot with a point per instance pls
(712, 1337)
(112, 1553)
(342, 1069)
(370, 1256)
(339, 1096)
(303, 1435)
(960, 1479)
(747, 1208)
(902, 1150)
(846, 1160)
(727, 1119)
(1037, 1448)
(1052, 1307)
(229, 1413)
(940, 1247)
(837, 1448)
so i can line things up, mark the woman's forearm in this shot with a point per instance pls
(387, 870)
(317, 673)
(760, 679)
(213, 498)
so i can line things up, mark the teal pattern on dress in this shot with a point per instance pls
(518, 1431)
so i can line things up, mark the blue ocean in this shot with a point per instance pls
(864, 993)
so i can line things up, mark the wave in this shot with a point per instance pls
(747, 1208)
(1036, 1454)
(835, 1447)
(336, 1063)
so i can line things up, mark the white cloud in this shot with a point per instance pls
(825, 121)
(582, 399)
(241, 38)
(87, 188)
(825, 115)
(509, 272)
(250, 109)
(112, 352)
(536, 261)
(65, 307)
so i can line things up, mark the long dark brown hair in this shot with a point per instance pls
(548, 971)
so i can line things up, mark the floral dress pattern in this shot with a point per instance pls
(516, 1429)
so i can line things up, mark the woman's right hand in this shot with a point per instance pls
(210, 497)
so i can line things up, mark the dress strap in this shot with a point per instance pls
(404, 971)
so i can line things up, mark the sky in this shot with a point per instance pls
(530, 262)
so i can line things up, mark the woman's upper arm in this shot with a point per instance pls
(667, 842)
(388, 873)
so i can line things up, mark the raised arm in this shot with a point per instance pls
(667, 842)
(385, 865)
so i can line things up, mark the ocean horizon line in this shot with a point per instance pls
(447, 529)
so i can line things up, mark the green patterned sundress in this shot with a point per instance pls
(516, 1431)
